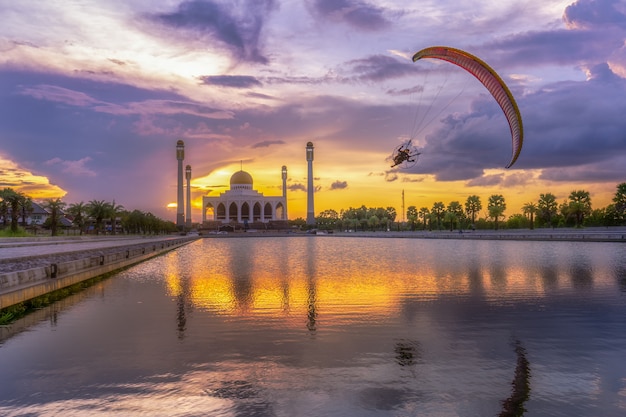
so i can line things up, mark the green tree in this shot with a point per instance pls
(26, 208)
(4, 210)
(373, 221)
(456, 214)
(327, 219)
(517, 221)
(530, 209)
(547, 208)
(620, 202)
(12, 199)
(78, 211)
(411, 215)
(98, 210)
(424, 214)
(496, 207)
(473, 206)
(579, 205)
(114, 210)
(438, 211)
(55, 206)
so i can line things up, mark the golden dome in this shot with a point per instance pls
(241, 178)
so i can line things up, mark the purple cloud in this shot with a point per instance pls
(358, 14)
(238, 30)
(235, 81)
(267, 143)
(297, 187)
(339, 185)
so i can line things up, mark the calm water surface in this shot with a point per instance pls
(332, 326)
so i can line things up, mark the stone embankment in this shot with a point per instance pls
(29, 269)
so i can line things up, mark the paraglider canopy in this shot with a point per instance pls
(491, 80)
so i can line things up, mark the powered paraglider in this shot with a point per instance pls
(491, 80)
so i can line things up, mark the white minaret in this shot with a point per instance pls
(188, 206)
(284, 176)
(310, 212)
(180, 215)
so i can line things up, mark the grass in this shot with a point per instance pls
(19, 233)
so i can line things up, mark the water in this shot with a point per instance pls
(331, 326)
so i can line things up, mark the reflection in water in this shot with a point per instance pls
(620, 277)
(582, 273)
(181, 317)
(514, 405)
(330, 326)
(408, 352)
(311, 274)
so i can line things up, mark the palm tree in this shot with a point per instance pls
(579, 205)
(98, 210)
(12, 199)
(547, 207)
(55, 207)
(4, 210)
(496, 207)
(473, 206)
(530, 209)
(456, 210)
(114, 210)
(411, 215)
(78, 211)
(438, 210)
(620, 201)
(26, 208)
(424, 214)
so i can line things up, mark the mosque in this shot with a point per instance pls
(244, 205)
(241, 205)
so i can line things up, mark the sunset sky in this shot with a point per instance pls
(95, 94)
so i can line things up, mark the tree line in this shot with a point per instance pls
(546, 211)
(97, 216)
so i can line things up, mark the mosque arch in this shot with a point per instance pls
(245, 211)
(209, 211)
(257, 212)
(280, 211)
(267, 212)
(232, 212)
(221, 212)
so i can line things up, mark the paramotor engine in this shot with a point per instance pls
(405, 155)
(491, 80)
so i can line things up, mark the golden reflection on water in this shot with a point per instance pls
(300, 276)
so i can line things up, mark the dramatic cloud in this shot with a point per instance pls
(237, 28)
(358, 14)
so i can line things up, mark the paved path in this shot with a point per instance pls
(15, 249)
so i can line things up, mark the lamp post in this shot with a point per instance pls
(180, 155)
(188, 207)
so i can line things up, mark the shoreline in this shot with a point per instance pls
(611, 234)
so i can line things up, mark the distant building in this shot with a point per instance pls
(243, 205)
(37, 216)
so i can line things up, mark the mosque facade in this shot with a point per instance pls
(243, 205)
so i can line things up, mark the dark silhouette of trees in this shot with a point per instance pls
(496, 207)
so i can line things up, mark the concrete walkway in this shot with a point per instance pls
(33, 267)
(15, 249)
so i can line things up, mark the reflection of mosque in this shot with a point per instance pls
(242, 205)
